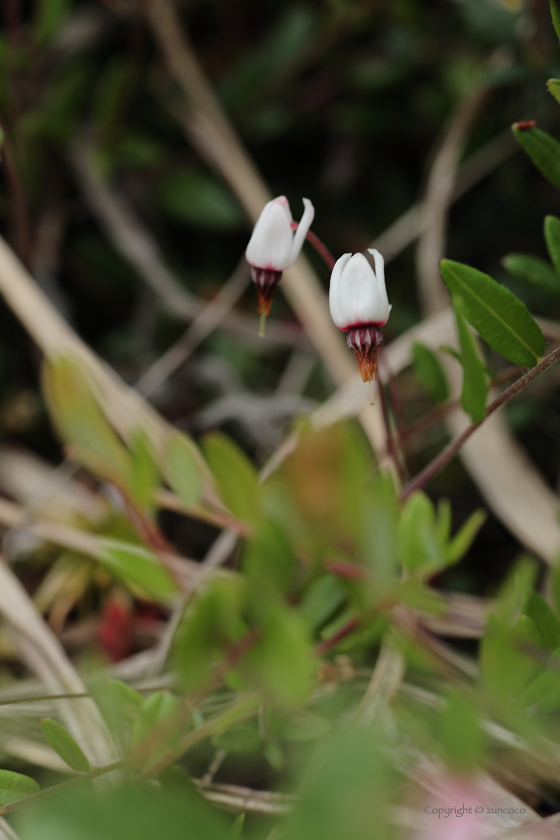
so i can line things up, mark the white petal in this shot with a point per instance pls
(270, 245)
(383, 303)
(303, 227)
(336, 299)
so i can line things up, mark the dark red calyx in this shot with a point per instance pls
(364, 341)
(266, 280)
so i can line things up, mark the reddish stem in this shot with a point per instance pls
(445, 456)
(349, 628)
(321, 249)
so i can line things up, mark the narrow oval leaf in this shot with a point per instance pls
(138, 568)
(429, 372)
(543, 149)
(533, 270)
(475, 385)
(554, 88)
(65, 746)
(236, 476)
(555, 13)
(181, 469)
(552, 237)
(496, 313)
(14, 786)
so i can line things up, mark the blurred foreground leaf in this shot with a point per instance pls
(65, 746)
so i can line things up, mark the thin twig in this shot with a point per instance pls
(441, 460)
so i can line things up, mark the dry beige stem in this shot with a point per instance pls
(125, 409)
(44, 656)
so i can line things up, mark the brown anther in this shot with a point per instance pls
(525, 125)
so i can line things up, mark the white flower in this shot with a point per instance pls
(274, 246)
(357, 296)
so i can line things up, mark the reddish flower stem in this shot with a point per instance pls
(321, 249)
(445, 456)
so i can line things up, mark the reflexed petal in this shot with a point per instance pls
(358, 297)
(303, 227)
(270, 245)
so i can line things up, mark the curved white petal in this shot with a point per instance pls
(384, 307)
(336, 299)
(270, 245)
(303, 227)
(357, 295)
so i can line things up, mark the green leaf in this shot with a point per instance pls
(80, 421)
(460, 733)
(552, 236)
(419, 548)
(144, 475)
(283, 656)
(429, 372)
(181, 468)
(139, 568)
(555, 13)
(475, 383)
(554, 88)
(198, 199)
(65, 746)
(241, 738)
(464, 537)
(49, 17)
(236, 476)
(543, 150)
(544, 620)
(501, 319)
(14, 786)
(236, 831)
(159, 710)
(322, 598)
(533, 270)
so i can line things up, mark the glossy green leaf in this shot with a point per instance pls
(475, 381)
(555, 14)
(554, 88)
(501, 318)
(552, 237)
(64, 745)
(430, 372)
(236, 476)
(181, 468)
(533, 270)
(139, 568)
(14, 786)
(544, 691)
(543, 150)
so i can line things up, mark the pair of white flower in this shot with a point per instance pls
(357, 296)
